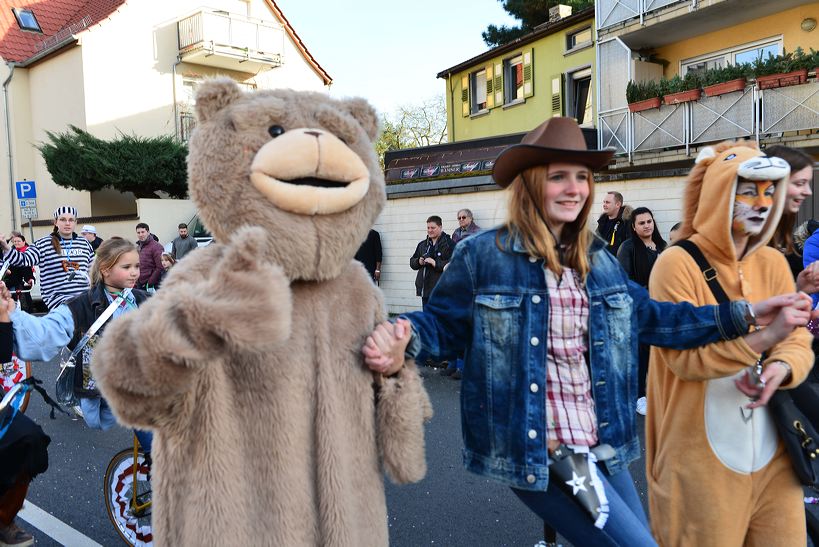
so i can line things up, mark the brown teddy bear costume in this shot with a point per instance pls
(269, 429)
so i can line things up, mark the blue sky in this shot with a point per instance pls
(387, 51)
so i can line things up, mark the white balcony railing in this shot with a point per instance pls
(611, 12)
(229, 38)
(750, 113)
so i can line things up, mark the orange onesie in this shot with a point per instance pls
(717, 472)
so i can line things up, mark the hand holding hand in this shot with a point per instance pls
(789, 317)
(384, 349)
(430, 261)
(808, 279)
(771, 378)
(766, 310)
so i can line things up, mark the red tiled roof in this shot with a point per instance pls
(53, 15)
(299, 44)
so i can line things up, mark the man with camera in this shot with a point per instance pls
(430, 257)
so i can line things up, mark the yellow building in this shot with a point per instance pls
(127, 67)
(514, 87)
(651, 39)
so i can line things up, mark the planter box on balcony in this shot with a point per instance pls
(644, 105)
(682, 96)
(724, 87)
(782, 80)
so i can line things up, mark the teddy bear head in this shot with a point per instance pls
(298, 164)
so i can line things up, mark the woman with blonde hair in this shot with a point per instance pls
(549, 322)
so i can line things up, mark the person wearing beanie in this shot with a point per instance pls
(63, 257)
(90, 234)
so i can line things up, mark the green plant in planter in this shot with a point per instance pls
(641, 91)
(714, 76)
(780, 64)
(678, 84)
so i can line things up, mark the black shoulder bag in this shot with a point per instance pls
(795, 429)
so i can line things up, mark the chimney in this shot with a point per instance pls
(558, 12)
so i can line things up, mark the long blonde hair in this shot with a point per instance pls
(527, 222)
(108, 254)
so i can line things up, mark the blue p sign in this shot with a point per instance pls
(26, 189)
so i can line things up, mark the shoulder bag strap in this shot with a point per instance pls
(708, 272)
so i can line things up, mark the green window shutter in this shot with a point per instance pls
(465, 95)
(528, 74)
(557, 95)
(498, 84)
(490, 94)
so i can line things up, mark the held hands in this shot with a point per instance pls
(808, 279)
(428, 261)
(384, 349)
(771, 378)
(767, 310)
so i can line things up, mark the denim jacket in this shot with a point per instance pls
(494, 304)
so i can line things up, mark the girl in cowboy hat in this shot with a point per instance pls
(549, 322)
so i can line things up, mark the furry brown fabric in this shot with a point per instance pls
(269, 429)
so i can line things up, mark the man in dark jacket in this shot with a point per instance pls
(611, 226)
(430, 257)
(150, 257)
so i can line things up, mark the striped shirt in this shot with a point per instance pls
(57, 284)
(569, 404)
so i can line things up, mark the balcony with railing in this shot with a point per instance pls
(230, 41)
(751, 113)
(652, 23)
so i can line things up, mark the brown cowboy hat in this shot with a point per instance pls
(556, 139)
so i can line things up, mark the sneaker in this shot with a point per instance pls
(14, 536)
(78, 411)
(456, 375)
(641, 406)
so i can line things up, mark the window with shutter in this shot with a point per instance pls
(513, 77)
(477, 91)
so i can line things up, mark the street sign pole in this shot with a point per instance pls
(27, 196)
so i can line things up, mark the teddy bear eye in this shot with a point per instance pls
(275, 130)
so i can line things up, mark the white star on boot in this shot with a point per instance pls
(577, 483)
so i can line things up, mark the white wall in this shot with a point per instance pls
(402, 224)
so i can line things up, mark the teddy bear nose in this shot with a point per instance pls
(313, 133)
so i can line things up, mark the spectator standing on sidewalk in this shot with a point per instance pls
(89, 232)
(184, 243)
(63, 257)
(611, 225)
(150, 258)
(430, 257)
(466, 226)
(370, 254)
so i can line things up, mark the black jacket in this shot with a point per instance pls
(85, 309)
(618, 226)
(428, 276)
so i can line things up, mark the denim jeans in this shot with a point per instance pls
(145, 439)
(97, 414)
(627, 523)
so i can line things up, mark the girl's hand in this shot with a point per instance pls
(808, 279)
(385, 347)
(766, 310)
(7, 304)
(771, 378)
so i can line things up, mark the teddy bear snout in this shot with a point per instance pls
(309, 172)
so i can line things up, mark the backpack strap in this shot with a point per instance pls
(708, 272)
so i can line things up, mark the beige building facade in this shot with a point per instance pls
(134, 70)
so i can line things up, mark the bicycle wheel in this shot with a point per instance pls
(134, 527)
(11, 373)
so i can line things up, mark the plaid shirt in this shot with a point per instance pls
(569, 403)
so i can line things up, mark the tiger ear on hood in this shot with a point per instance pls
(707, 155)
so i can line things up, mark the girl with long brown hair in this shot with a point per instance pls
(549, 322)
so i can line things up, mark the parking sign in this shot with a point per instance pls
(26, 189)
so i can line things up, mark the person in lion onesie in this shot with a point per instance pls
(718, 475)
(246, 365)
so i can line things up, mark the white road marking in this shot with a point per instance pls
(54, 527)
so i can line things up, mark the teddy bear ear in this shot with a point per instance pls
(213, 95)
(707, 153)
(364, 114)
